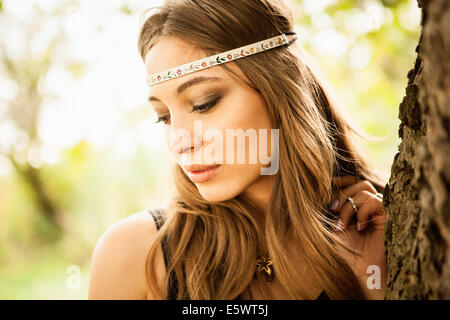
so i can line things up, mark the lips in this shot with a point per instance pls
(199, 167)
(201, 173)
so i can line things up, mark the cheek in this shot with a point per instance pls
(255, 114)
(249, 112)
(243, 110)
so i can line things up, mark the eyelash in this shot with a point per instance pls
(200, 108)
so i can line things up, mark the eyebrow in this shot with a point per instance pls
(189, 83)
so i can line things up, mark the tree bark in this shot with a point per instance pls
(417, 198)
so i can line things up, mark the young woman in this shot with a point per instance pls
(312, 228)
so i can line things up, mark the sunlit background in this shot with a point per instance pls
(79, 149)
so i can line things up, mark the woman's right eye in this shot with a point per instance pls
(163, 119)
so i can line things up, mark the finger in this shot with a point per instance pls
(339, 183)
(371, 211)
(350, 192)
(343, 181)
(334, 196)
(347, 211)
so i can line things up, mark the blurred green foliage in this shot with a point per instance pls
(90, 187)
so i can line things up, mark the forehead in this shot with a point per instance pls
(169, 52)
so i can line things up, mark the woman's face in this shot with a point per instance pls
(230, 104)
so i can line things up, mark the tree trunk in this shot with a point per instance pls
(417, 196)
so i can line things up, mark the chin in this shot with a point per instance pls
(212, 194)
(226, 186)
(217, 193)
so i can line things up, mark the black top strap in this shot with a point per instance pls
(159, 217)
(323, 296)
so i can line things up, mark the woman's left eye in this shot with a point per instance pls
(205, 107)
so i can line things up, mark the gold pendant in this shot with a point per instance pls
(265, 265)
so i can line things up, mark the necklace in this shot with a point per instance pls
(265, 265)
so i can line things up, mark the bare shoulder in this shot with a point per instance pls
(118, 266)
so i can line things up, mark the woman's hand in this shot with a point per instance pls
(362, 231)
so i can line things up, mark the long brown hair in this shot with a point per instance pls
(214, 246)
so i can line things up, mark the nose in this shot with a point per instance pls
(191, 145)
(187, 151)
(184, 140)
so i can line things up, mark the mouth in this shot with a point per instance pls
(202, 173)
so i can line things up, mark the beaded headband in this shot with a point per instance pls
(204, 63)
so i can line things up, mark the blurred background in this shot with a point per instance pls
(79, 149)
